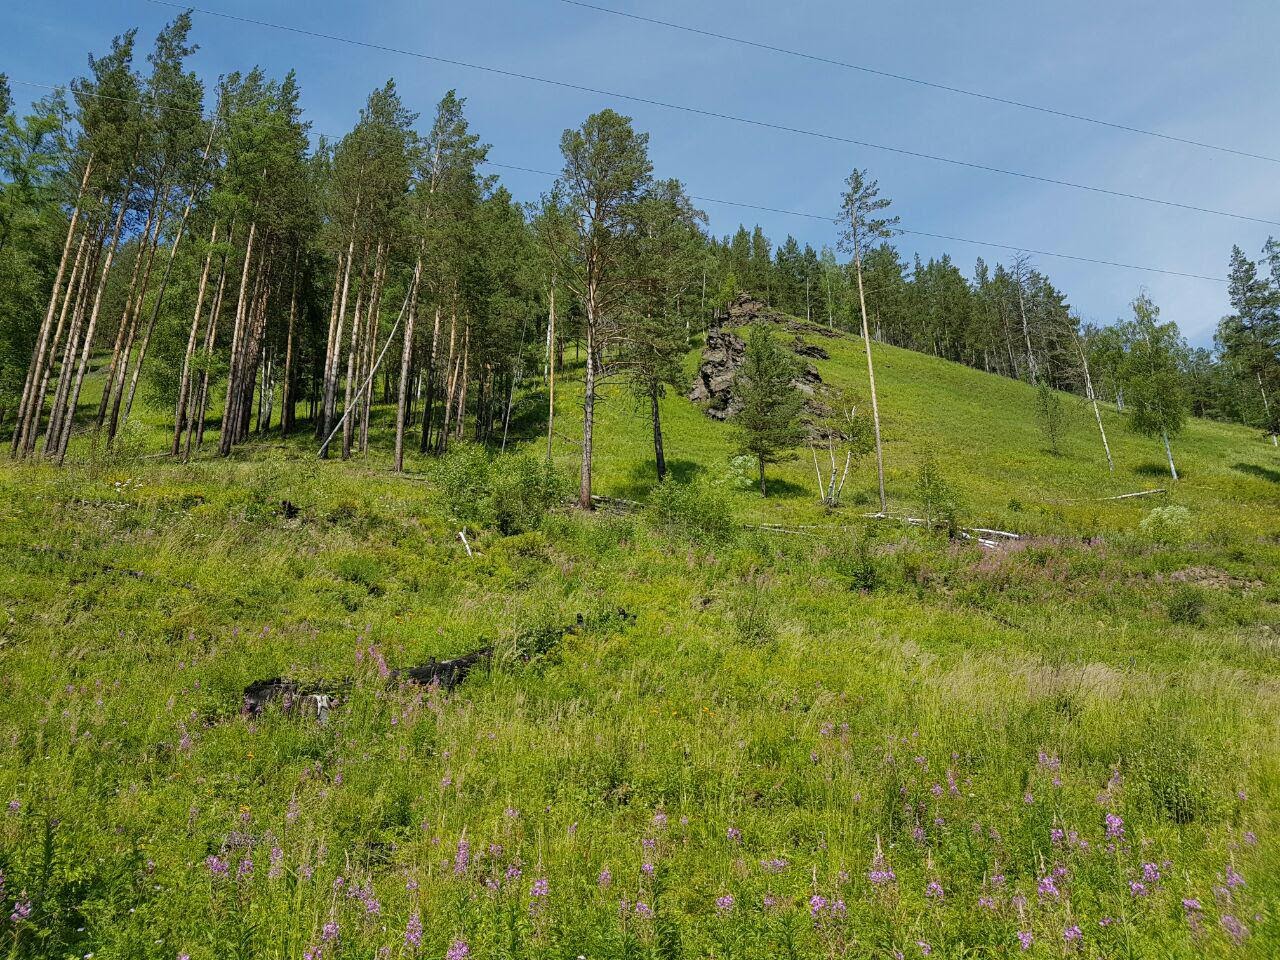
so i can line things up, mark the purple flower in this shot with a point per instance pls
(987, 903)
(15, 806)
(513, 873)
(1234, 879)
(776, 865)
(458, 950)
(1236, 930)
(1048, 887)
(605, 877)
(1072, 934)
(735, 834)
(725, 904)
(329, 931)
(1150, 873)
(646, 869)
(21, 909)
(1025, 939)
(880, 873)
(217, 866)
(643, 910)
(934, 890)
(770, 901)
(462, 859)
(1115, 827)
(1137, 888)
(659, 821)
(925, 949)
(540, 888)
(246, 868)
(1192, 905)
(413, 932)
(277, 863)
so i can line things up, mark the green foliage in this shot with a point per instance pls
(1051, 415)
(509, 493)
(768, 425)
(1154, 391)
(1187, 604)
(938, 499)
(693, 511)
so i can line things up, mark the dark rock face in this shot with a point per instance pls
(726, 351)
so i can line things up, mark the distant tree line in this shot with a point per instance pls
(249, 277)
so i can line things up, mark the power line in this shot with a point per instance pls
(919, 233)
(698, 111)
(949, 88)
(729, 203)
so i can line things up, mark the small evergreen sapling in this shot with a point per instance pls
(769, 422)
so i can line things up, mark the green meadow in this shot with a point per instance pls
(714, 725)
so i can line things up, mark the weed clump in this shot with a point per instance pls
(511, 494)
(1167, 526)
(695, 510)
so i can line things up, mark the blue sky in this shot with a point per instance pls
(1189, 69)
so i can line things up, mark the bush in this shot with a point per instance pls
(1166, 526)
(1186, 605)
(511, 493)
(937, 498)
(858, 565)
(695, 510)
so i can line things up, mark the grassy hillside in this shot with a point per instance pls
(855, 740)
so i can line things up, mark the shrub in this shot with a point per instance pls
(937, 497)
(695, 510)
(510, 493)
(1166, 526)
(1186, 605)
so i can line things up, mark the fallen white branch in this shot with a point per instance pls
(462, 535)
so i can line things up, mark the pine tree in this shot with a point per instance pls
(769, 422)
(862, 224)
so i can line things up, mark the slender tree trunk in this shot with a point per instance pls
(764, 490)
(588, 402)
(36, 370)
(122, 368)
(1266, 406)
(871, 377)
(227, 433)
(34, 402)
(196, 421)
(338, 274)
(1168, 450)
(333, 358)
(428, 400)
(184, 384)
(1093, 400)
(658, 454)
(126, 314)
(450, 368)
(1032, 370)
(352, 353)
(406, 363)
(551, 364)
(460, 426)
(287, 400)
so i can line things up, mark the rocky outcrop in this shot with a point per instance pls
(725, 352)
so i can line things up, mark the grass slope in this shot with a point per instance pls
(863, 742)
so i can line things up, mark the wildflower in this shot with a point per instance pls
(880, 873)
(1056, 835)
(770, 901)
(1115, 827)
(1072, 934)
(1150, 873)
(776, 865)
(643, 910)
(1236, 930)
(413, 932)
(217, 866)
(458, 950)
(462, 859)
(540, 889)
(659, 819)
(1048, 887)
(735, 834)
(934, 890)
(1191, 905)
(329, 932)
(1137, 888)
(411, 885)
(646, 869)
(245, 869)
(924, 947)
(277, 863)
(1028, 799)
(1025, 939)
(605, 878)
(725, 904)
(987, 903)
(649, 843)
(1106, 921)
(817, 903)
(511, 813)
(838, 908)
(513, 873)
(1251, 838)
(21, 908)
(1234, 879)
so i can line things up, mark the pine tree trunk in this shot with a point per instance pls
(36, 370)
(338, 274)
(287, 400)
(1093, 400)
(227, 433)
(347, 423)
(428, 396)
(406, 363)
(871, 377)
(34, 403)
(196, 420)
(658, 454)
(334, 355)
(551, 364)
(588, 403)
(184, 384)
